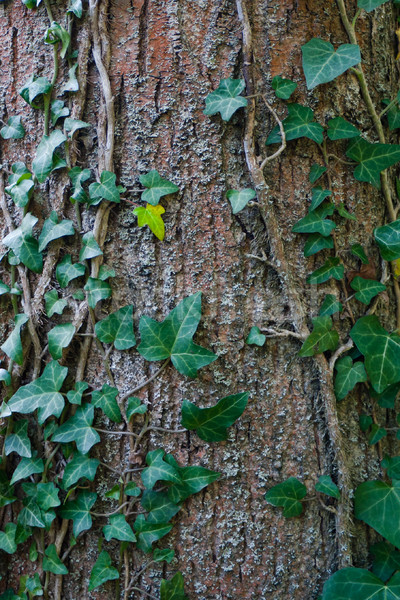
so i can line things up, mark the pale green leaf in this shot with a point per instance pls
(66, 271)
(288, 495)
(79, 429)
(13, 345)
(54, 304)
(78, 177)
(57, 34)
(75, 7)
(151, 216)
(157, 187)
(45, 161)
(73, 125)
(59, 338)
(35, 88)
(388, 239)
(13, 130)
(106, 189)
(54, 229)
(256, 337)
(226, 98)
(102, 571)
(369, 5)
(72, 85)
(240, 198)
(58, 110)
(323, 337)
(24, 245)
(90, 248)
(322, 64)
(19, 441)
(97, 290)
(284, 88)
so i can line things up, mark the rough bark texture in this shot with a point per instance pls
(166, 56)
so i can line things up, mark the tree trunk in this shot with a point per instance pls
(162, 59)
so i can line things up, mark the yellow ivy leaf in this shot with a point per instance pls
(151, 216)
(397, 268)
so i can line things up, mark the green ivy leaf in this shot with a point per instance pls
(106, 272)
(340, 129)
(53, 229)
(97, 290)
(373, 159)
(226, 99)
(19, 441)
(388, 239)
(106, 400)
(132, 489)
(26, 468)
(75, 7)
(72, 85)
(158, 469)
(78, 177)
(46, 161)
(160, 507)
(118, 529)
(348, 375)
(377, 433)
(102, 571)
(166, 554)
(256, 337)
(365, 422)
(393, 116)
(314, 222)
(73, 125)
(157, 187)
(173, 338)
(24, 245)
(240, 198)
(90, 248)
(6, 377)
(78, 510)
(387, 398)
(58, 110)
(359, 251)
(345, 213)
(359, 584)
(79, 429)
(386, 560)
(317, 242)
(66, 271)
(377, 503)
(326, 486)
(42, 394)
(211, 424)
(59, 338)
(13, 345)
(20, 186)
(117, 329)
(54, 304)
(322, 338)
(115, 493)
(316, 172)
(369, 5)
(330, 306)
(135, 407)
(7, 539)
(288, 495)
(173, 589)
(392, 466)
(284, 88)
(381, 351)
(52, 562)
(193, 480)
(148, 533)
(57, 34)
(322, 64)
(299, 123)
(6, 491)
(366, 289)
(331, 269)
(106, 189)
(13, 130)
(151, 216)
(318, 196)
(35, 88)
(80, 467)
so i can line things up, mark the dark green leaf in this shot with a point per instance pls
(75, 396)
(377, 503)
(106, 189)
(326, 486)
(340, 129)
(57, 34)
(360, 584)
(45, 161)
(316, 242)
(34, 88)
(52, 562)
(27, 467)
(24, 245)
(97, 290)
(345, 213)
(173, 589)
(166, 554)
(211, 424)
(358, 251)
(240, 198)
(7, 539)
(135, 407)
(316, 172)
(373, 159)
(58, 111)
(392, 466)
(158, 470)
(73, 125)
(369, 5)
(388, 239)
(132, 489)
(318, 196)
(366, 289)
(66, 271)
(284, 88)
(157, 187)
(193, 480)
(118, 529)
(90, 247)
(365, 422)
(102, 571)
(322, 64)
(54, 304)
(54, 229)
(313, 222)
(322, 338)
(330, 306)
(106, 400)
(117, 329)
(226, 99)
(78, 177)
(386, 560)
(288, 495)
(75, 7)
(78, 511)
(347, 376)
(377, 433)
(79, 429)
(80, 467)
(159, 506)
(332, 268)
(148, 533)
(387, 398)
(13, 345)
(13, 130)
(256, 337)
(19, 441)
(300, 123)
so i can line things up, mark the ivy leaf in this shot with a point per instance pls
(72, 85)
(316, 172)
(21, 185)
(369, 5)
(19, 441)
(13, 130)
(373, 159)
(54, 229)
(381, 351)
(326, 486)
(173, 338)
(158, 469)
(57, 34)
(106, 189)
(97, 290)
(322, 64)
(322, 338)
(330, 306)
(78, 511)
(26, 468)
(211, 424)
(78, 177)
(288, 495)
(173, 589)
(377, 503)
(359, 584)
(6, 491)
(299, 123)
(106, 272)
(388, 239)
(240, 198)
(24, 245)
(386, 560)
(52, 562)
(118, 529)
(226, 99)
(359, 251)
(166, 554)
(13, 345)
(45, 160)
(135, 407)
(132, 489)
(151, 216)
(148, 533)
(314, 222)
(90, 248)
(159, 506)
(317, 242)
(80, 467)
(106, 400)
(157, 187)
(377, 433)
(348, 375)
(331, 268)
(58, 110)
(117, 329)
(102, 571)
(75, 7)
(365, 422)
(66, 271)
(6, 377)
(392, 466)
(193, 480)
(42, 394)
(284, 88)
(59, 338)
(79, 429)
(366, 289)
(387, 398)
(33, 88)
(340, 129)
(54, 304)
(318, 196)
(256, 337)
(7, 539)
(73, 125)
